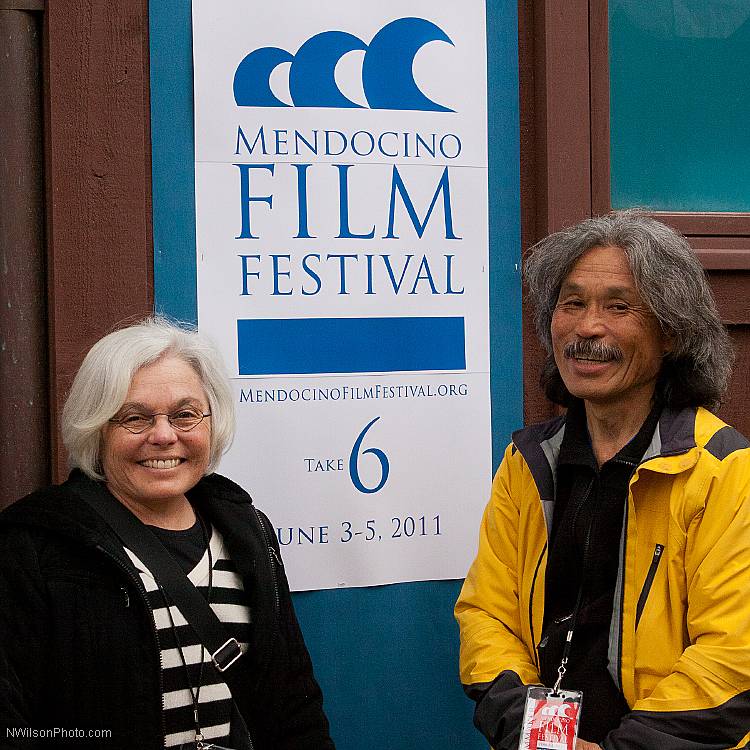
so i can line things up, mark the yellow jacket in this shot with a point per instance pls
(680, 635)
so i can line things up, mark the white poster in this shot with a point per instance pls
(341, 213)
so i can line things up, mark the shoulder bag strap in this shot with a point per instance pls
(138, 538)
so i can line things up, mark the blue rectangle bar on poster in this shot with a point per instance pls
(339, 345)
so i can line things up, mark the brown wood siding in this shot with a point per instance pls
(555, 107)
(732, 291)
(24, 452)
(98, 155)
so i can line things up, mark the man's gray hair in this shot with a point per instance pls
(103, 380)
(671, 281)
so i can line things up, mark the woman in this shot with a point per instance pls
(93, 646)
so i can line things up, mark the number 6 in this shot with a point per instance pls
(354, 458)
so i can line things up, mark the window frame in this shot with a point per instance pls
(720, 239)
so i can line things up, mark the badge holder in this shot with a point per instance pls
(551, 715)
(550, 719)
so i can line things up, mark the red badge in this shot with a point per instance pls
(550, 720)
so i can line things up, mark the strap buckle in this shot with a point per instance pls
(226, 655)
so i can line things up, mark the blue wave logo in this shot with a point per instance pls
(387, 77)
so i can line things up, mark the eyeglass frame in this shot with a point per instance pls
(152, 417)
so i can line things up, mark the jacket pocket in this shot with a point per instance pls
(655, 560)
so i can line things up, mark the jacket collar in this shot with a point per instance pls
(539, 444)
(62, 509)
(674, 434)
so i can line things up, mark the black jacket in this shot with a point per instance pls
(78, 645)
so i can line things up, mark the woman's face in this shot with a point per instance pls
(159, 465)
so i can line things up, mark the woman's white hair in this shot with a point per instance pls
(103, 380)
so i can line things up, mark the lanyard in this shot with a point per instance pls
(561, 670)
(194, 692)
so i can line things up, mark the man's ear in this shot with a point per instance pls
(667, 344)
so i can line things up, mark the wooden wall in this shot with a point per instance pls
(93, 74)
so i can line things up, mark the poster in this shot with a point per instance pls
(342, 268)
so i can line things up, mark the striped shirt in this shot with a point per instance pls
(228, 602)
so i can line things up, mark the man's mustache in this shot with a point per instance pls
(592, 349)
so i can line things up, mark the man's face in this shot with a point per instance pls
(606, 342)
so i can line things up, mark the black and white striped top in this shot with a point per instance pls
(228, 602)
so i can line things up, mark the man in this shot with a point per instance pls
(624, 525)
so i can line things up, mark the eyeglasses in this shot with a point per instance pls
(183, 420)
